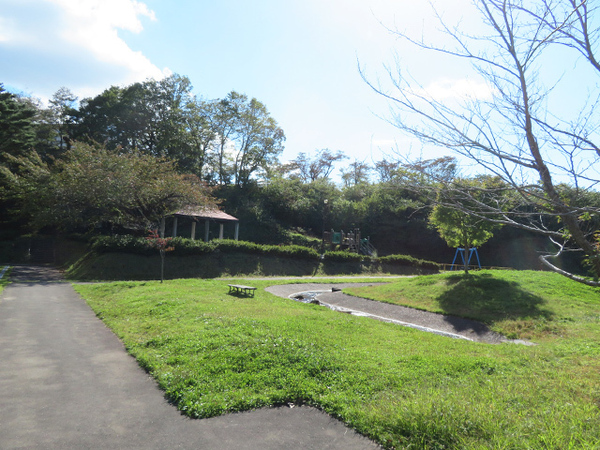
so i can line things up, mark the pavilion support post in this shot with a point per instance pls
(221, 230)
(175, 226)
(206, 229)
(237, 231)
(193, 233)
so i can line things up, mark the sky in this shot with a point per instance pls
(299, 57)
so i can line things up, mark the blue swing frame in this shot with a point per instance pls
(462, 255)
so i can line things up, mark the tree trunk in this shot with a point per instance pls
(162, 265)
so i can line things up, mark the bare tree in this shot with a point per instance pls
(519, 132)
(356, 173)
(386, 170)
(319, 167)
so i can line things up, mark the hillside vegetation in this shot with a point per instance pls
(129, 258)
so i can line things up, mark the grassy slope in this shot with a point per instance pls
(214, 353)
(524, 304)
(125, 266)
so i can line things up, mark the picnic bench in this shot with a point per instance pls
(241, 289)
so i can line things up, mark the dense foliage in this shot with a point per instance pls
(223, 141)
(89, 186)
(17, 129)
(187, 247)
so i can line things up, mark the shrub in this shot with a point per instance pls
(187, 247)
(342, 256)
(230, 245)
(121, 243)
(406, 260)
(304, 241)
(291, 251)
(288, 251)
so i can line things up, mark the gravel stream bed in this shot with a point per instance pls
(330, 295)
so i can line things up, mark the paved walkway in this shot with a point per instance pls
(66, 382)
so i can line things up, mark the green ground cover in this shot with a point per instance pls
(519, 304)
(213, 353)
(115, 266)
(4, 278)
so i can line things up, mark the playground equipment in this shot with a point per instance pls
(350, 241)
(462, 251)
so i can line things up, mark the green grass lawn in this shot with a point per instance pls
(519, 304)
(214, 353)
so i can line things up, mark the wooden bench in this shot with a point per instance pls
(240, 289)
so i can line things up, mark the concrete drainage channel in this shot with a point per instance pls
(311, 297)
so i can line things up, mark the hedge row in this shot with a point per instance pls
(406, 260)
(289, 251)
(188, 247)
(341, 256)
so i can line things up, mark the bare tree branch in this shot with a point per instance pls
(512, 133)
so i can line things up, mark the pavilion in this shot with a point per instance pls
(195, 215)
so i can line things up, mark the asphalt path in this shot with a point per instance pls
(66, 382)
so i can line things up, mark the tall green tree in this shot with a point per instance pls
(149, 116)
(356, 173)
(63, 106)
(258, 139)
(201, 140)
(225, 118)
(17, 127)
(229, 140)
(18, 136)
(99, 119)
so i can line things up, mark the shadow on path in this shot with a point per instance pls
(42, 274)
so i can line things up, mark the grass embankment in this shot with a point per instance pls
(523, 304)
(126, 266)
(4, 273)
(213, 353)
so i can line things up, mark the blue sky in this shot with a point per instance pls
(299, 57)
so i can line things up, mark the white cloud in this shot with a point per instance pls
(465, 89)
(385, 144)
(110, 13)
(46, 44)
(94, 26)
